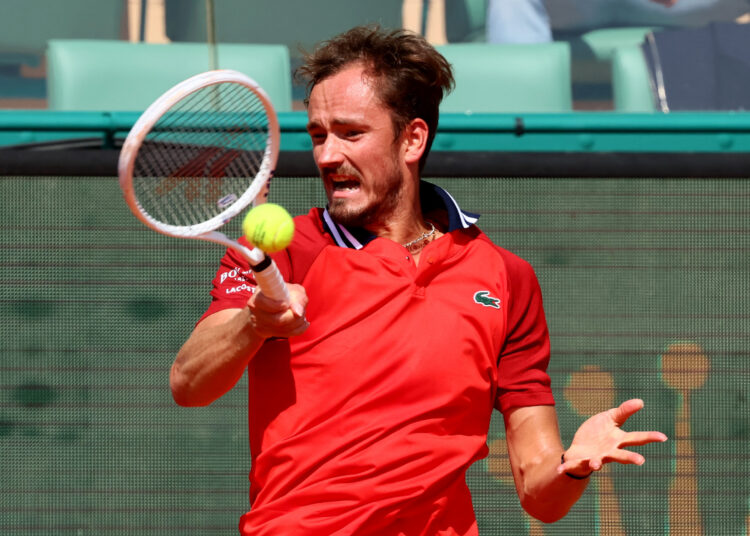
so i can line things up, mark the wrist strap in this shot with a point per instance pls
(576, 477)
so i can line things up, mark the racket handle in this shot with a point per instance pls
(270, 281)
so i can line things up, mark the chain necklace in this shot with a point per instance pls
(421, 241)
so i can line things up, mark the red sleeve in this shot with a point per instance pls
(523, 360)
(234, 282)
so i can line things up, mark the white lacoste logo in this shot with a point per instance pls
(241, 288)
(234, 273)
(483, 297)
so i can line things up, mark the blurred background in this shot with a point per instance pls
(607, 41)
(605, 141)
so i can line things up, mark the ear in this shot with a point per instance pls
(415, 140)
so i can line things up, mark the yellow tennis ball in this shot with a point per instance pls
(268, 227)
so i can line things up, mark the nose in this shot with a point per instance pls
(328, 153)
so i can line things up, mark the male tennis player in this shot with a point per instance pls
(370, 394)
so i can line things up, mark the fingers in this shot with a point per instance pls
(273, 318)
(584, 466)
(580, 467)
(626, 457)
(635, 439)
(601, 440)
(622, 413)
(298, 298)
(625, 410)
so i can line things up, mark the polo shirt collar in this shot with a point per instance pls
(432, 197)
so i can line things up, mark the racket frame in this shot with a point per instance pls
(151, 116)
(267, 274)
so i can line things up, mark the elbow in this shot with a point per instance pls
(544, 512)
(545, 515)
(182, 393)
(181, 399)
(548, 503)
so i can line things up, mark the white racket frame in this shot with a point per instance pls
(269, 279)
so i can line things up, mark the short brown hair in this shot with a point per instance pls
(411, 77)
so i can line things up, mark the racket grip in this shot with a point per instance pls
(271, 283)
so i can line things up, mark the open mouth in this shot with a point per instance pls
(347, 185)
(343, 183)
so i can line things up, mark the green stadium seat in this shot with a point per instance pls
(124, 76)
(631, 82)
(517, 78)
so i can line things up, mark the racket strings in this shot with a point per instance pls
(201, 151)
(256, 133)
(202, 155)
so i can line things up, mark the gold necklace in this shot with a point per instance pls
(421, 241)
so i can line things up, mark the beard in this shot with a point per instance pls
(378, 208)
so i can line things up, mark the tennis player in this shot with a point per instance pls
(370, 394)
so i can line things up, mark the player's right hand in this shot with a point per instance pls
(272, 318)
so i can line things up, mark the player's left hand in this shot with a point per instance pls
(600, 439)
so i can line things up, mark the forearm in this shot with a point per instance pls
(214, 358)
(535, 448)
(544, 493)
(217, 353)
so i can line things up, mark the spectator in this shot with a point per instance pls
(535, 21)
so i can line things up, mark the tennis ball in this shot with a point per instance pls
(268, 227)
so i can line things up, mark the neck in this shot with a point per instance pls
(416, 245)
(403, 222)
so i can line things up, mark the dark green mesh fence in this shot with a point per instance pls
(646, 283)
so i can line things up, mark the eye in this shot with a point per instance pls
(317, 137)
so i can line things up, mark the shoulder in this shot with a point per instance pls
(519, 270)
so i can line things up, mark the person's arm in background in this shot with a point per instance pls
(524, 21)
(545, 490)
(216, 354)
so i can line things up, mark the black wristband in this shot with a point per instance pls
(576, 477)
(262, 265)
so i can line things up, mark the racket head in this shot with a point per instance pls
(200, 154)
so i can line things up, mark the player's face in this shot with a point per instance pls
(354, 146)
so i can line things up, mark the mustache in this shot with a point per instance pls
(341, 170)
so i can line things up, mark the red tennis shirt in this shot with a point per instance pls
(367, 423)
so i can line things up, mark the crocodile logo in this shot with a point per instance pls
(483, 298)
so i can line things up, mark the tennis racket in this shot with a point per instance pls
(198, 156)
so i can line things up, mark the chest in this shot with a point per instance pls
(392, 348)
(385, 315)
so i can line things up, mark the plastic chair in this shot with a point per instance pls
(631, 82)
(123, 76)
(500, 78)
